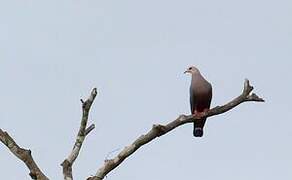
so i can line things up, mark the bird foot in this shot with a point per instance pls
(201, 113)
(198, 114)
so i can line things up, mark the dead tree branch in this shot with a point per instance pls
(156, 131)
(159, 130)
(83, 132)
(24, 155)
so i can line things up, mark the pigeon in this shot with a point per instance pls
(200, 98)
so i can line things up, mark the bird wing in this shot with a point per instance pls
(200, 95)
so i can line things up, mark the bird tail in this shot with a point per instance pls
(198, 128)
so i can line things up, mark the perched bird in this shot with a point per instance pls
(200, 98)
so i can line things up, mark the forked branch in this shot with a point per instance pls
(156, 131)
(83, 132)
(159, 130)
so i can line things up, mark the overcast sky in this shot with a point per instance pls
(52, 53)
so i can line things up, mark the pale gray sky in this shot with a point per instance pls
(52, 53)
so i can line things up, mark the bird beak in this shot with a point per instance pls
(187, 71)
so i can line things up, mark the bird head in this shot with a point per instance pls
(192, 70)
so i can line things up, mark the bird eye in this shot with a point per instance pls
(190, 68)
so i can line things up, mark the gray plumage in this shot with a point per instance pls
(200, 98)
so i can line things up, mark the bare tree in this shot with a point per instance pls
(156, 131)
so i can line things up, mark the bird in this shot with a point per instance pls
(200, 98)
